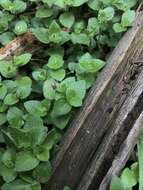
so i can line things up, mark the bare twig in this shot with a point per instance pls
(27, 42)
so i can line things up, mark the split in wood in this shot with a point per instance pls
(124, 153)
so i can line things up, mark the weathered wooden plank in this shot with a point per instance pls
(118, 132)
(100, 108)
(124, 153)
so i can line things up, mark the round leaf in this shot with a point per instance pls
(67, 19)
(25, 161)
(20, 27)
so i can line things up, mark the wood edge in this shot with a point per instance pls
(124, 153)
(124, 113)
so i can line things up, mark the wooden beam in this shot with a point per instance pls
(100, 109)
(118, 133)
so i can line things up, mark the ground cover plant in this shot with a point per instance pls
(131, 176)
(40, 93)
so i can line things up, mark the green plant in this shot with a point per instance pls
(131, 176)
(39, 93)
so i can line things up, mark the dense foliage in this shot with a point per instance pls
(39, 93)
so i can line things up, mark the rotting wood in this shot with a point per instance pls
(26, 42)
(118, 132)
(124, 153)
(100, 108)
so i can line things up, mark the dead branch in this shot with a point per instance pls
(26, 42)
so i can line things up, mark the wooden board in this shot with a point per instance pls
(124, 153)
(115, 136)
(100, 109)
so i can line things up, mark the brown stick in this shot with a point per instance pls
(124, 152)
(27, 42)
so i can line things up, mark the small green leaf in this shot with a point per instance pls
(39, 75)
(33, 121)
(8, 158)
(90, 64)
(3, 91)
(11, 99)
(7, 69)
(3, 107)
(21, 138)
(58, 75)
(67, 19)
(75, 93)
(6, 37)
(15, 117)
(61, 122)
(35, 129)
(41, 34)
(81, 38)
(135, 170)
(54, 32)
(8, 174)
(65, 83)
(55, 61)
(79, 26)
(23, 87)
(93, 26)
(22, 59)
(6, 4)
(116, 184)
(106, 14)
(95, 5)
(42, 153)
(49, 89)
(3, 118)
(21, 185)
(48, 2)
(128, 178)
(19, 6)
(88, 78)
(44, 12)
(61, 107)
(37, 107)
(20, 27)
(42, 172)
(67, 188)
(128, 18)
(78, 3)
(25, 161)
(53, 137)
(117, 27)
(32, 106)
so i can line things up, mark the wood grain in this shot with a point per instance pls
(124, 153)
(116, 135)
(100, 109)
